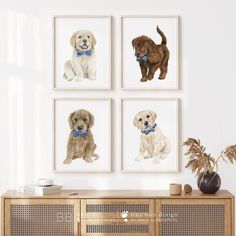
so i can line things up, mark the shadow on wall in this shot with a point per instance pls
(22, 96)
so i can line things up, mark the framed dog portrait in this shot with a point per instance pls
(81, 52)
(149, 135)
(149, 49)
(81, 135)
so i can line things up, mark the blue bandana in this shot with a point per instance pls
(77, 133)
(84, 53)
(143, 58)
(150, 130)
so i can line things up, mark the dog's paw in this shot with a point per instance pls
(149, 77)
(88, 159)
(75, 157)
(95, 156)
(139, 158)
(92, 78)
(161, 78)
(67, 161)
(163, 156)
(65, 77)
(78, 78)
(143, 79)
(148, 156)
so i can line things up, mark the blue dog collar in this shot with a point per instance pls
(150, 130)
(84, 53)
(77, 133)
(143, 58)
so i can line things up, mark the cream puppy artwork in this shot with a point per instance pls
(82, 64)
(153, 143)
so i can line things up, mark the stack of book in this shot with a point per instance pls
(40, 190)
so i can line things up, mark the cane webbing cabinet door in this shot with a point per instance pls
(42, 217)
(122, 217)
(195, 217)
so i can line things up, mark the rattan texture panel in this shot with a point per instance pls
(193, 220)
(42, 220)
(117, 207)
(141, 228)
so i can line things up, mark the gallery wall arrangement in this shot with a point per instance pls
(82, 60)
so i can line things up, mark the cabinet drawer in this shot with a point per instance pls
(198, 217)
(124, 227)
(115, 208)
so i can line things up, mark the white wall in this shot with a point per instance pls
(208, 78)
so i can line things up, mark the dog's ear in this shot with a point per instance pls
(70, 121)
(135, 121)
(134, 42)
(72, 40)
(93, 41)
(153, 114)
(91, 120)
(150, 45)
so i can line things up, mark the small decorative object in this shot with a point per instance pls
(45, 182)
(188, 188)
(175, 189)
(149, 135)
(209, 182)
(39, 190)
(205, 166)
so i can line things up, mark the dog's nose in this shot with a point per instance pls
(137, 54)
(85, 40)
(80, 127)
(146, 123)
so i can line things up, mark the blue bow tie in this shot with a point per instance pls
(143, 58)
(77, 133)
(150, 130)
(84, 53)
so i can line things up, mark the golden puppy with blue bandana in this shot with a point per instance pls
(153, 143)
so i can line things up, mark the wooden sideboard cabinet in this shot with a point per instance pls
(118, 212)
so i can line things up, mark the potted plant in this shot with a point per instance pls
(205, 166)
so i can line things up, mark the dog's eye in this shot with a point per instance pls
(140, 119)
(79, 37)
(85, 120)
(75, 119)
(148, 116)
(88, 36)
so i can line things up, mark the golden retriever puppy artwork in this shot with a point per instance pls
(82, 64)
(153, 143)
(151, 56)
(81, 142)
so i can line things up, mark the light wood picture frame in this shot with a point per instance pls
(82, 132)
(149, 135)
(158, 62)
(82, 52)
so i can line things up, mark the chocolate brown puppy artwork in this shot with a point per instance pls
(151, 56)
(81, 142)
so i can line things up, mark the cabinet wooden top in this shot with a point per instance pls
(119, 194)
